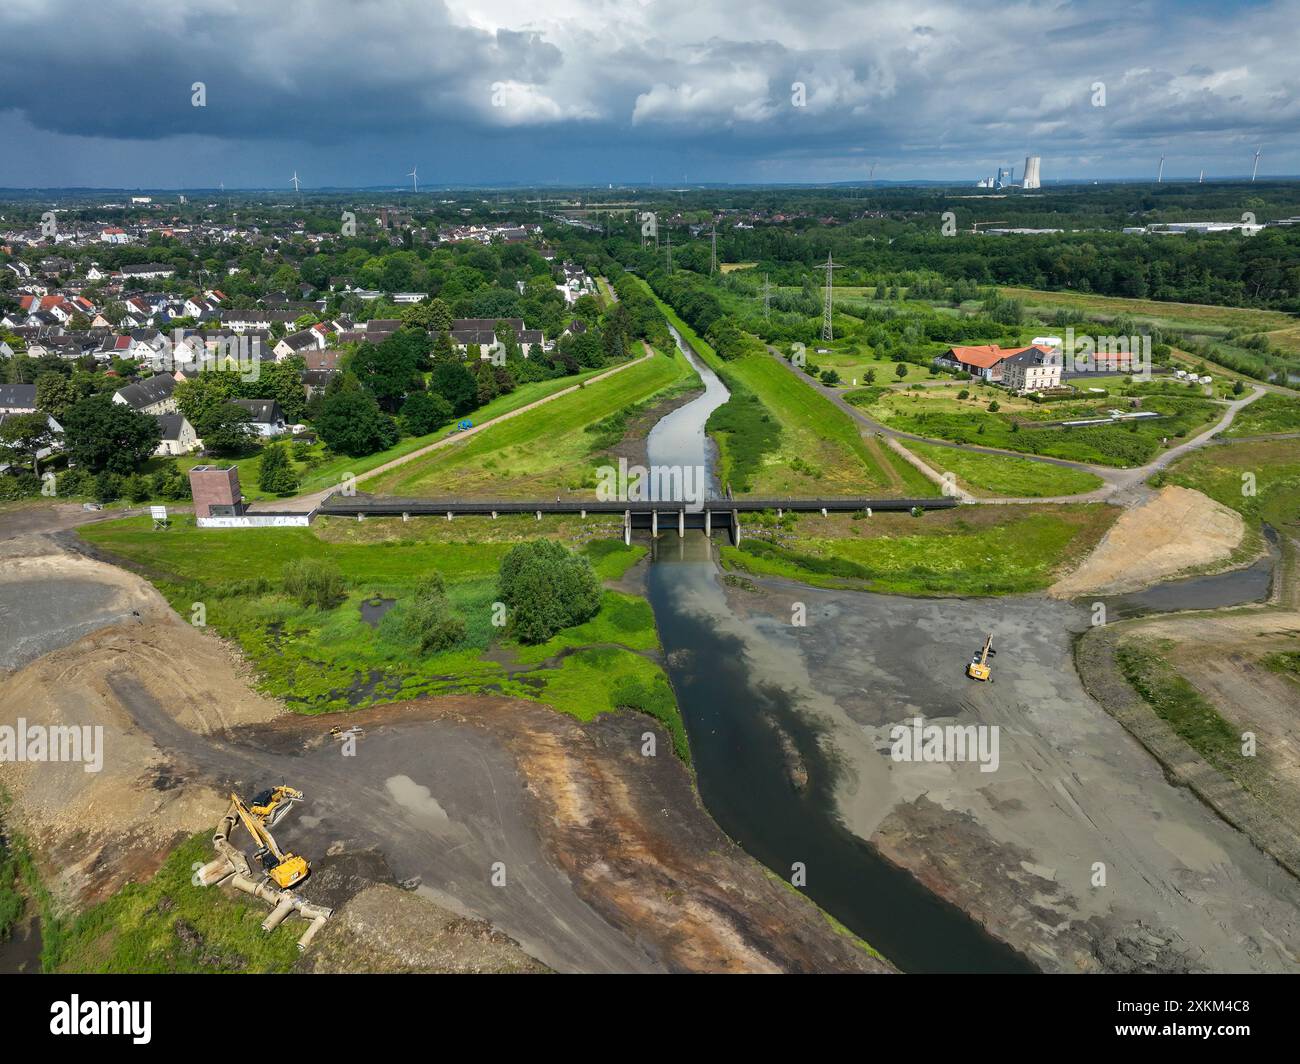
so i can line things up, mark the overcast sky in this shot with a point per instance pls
(357, 92)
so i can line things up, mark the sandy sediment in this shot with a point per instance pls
(1175, 530)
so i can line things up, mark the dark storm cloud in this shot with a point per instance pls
(532, 89)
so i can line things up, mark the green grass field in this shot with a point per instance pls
(1267, 414)
(543, 452)
(984, 550)
(320, 661)
(992, 475)
(937, 413)
(1258, 479)
(820, 450)
(1187, 317)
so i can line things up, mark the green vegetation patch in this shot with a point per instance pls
(1267, 414)
(967, 551)
(325, 659)
(168, 925)
(1182, 707)
(989, 474)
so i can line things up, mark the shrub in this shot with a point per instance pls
(546, 588)
(313, 583)
(431, 619)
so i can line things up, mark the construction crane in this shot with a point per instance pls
(280, 870)
(979, 669)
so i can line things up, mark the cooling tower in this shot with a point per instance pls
(1030, 179)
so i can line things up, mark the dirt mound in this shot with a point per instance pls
(102, 827)
(1176, 530)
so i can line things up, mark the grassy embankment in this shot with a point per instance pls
(994, 475)
(1018, 425)
(1186, 711)
(553, 450)
(779, 437)
(321, 661)
(316, 471)
(1259, 479)
(964, 551)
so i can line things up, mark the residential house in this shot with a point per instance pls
(983, 361)
(299, 343)
(17, 398)
(178, 435)
(1034, 369)
(267, 419)
(152, 396)
(148, 271)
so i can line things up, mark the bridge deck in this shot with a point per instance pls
(378, 506)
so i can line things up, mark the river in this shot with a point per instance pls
(741, 722)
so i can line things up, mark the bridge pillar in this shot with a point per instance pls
(681, 524)
(823, 511)
(448, 515)
(735, 528)
(406, 516)
(584, 513)
(627, 529)
(708, 523)
(539, 515)
(361, 517)
(778, 513)
(654, 523)
(494, 515)
(868, 511)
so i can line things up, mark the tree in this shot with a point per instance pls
(456, 384)
(227, 430)
(386, 371)
(275, 472)
(22, 436)
(546, 587)
(423, 412)
(103, 435)
(351, 423)
(900, 370)
(54, 394)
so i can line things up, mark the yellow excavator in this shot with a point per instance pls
(271, 805)
(280, 870)
(283, 869)
(979, 668)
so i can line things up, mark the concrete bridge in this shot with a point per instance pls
(653, 515)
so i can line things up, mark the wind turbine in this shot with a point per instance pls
(1256, 169)
(294, 179)
(414, 175)
(1160, 174)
